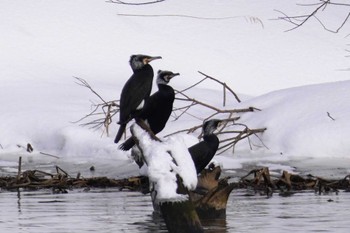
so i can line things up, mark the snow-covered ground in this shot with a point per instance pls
(297, 79)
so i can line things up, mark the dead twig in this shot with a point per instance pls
(329, 115)
(321, 6)
(224, 85)
(135, 3)
(53, 156)
(249, 19)
(106, 109)
(103, 113)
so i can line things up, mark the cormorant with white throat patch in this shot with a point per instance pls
(203, 152)
(158, 107)
(135, 91)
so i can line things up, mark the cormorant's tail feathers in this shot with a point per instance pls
(127, 145)
(120, 133)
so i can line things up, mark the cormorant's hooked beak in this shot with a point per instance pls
(149, 59)
(173, 75)
(220, 123)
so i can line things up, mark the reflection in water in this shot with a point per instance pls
(110, 210)
(215, 225)
(19, 200)
(152, 223)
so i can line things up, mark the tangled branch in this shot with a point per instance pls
(321, 6)
(104, 111)
(232, 132)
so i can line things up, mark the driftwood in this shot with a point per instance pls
(61, 181)
(179, 215)
(289, 183)
(211, 196)
(208, 201)
(257, 180)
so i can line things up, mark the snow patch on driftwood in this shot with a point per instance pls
(165, 160)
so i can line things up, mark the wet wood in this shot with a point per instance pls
(291, 183)
(209, 179)
(61, 180)
(181, 217)
(212, 193)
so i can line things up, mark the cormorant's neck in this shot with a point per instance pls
(212, 141)
(143, 68)
(209, 137)
(163, 86)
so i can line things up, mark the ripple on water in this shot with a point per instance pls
(110, 210)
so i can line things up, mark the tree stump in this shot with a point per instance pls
(180, 217)
(169, 191)
(211, 196)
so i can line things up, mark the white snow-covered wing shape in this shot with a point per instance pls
(165, 160)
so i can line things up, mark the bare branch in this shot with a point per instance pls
(84, 83)
(338, 29)
(197, 83)
(322, 5)
(223, 84)
(103, 113)
(251, 18)
(329, 115)
(106, 119)
(135, 4)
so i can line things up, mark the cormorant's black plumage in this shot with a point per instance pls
(203, 152)
(158, 107)
(135, 91)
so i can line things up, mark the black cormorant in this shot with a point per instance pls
(203, 152)
(158, 107)
(135, 91)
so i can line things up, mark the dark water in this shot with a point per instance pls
(110, 210)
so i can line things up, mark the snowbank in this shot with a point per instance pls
(309, 121)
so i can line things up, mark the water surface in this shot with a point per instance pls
(111, 210)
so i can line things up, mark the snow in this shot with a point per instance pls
(164, 161)
(299, 120)
(295, 78)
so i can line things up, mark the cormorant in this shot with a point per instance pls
(203, 152)
(135, 91)
(158, 107)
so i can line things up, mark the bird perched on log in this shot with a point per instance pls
(203, 152)
(135, 91)
(158, 107)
